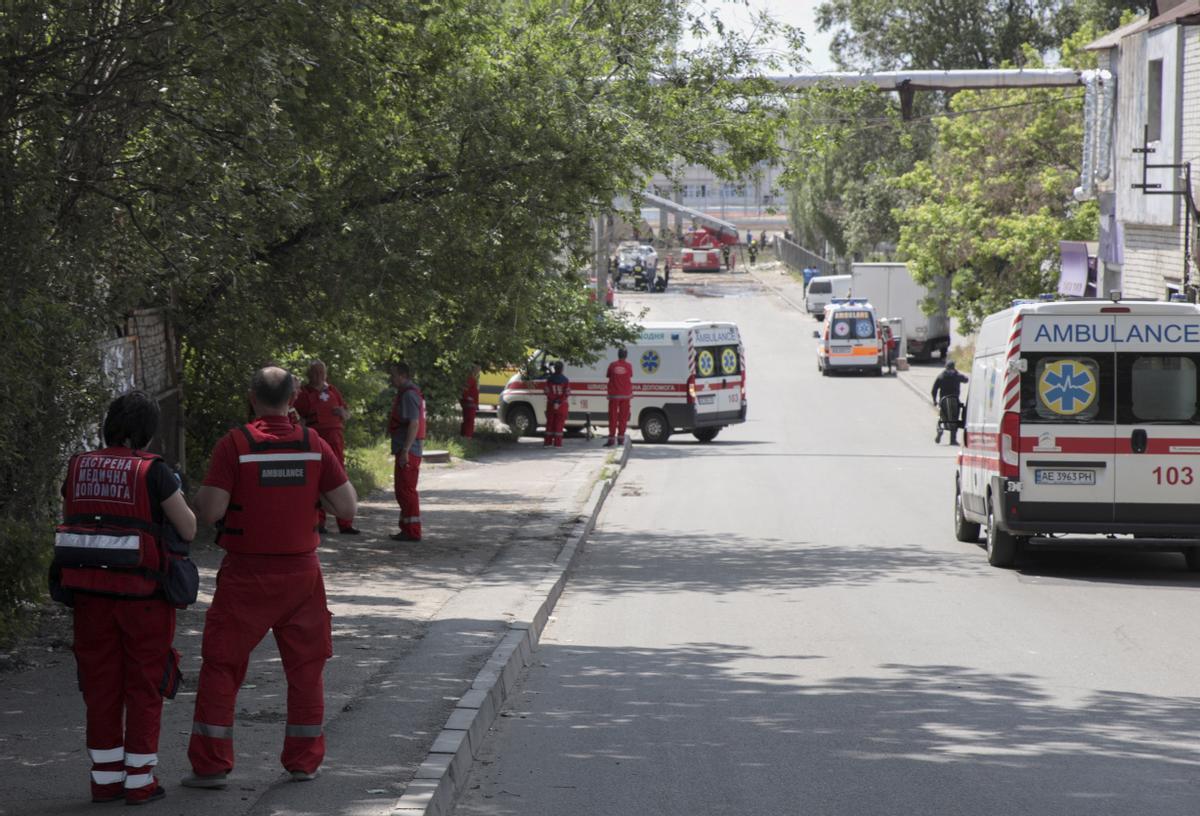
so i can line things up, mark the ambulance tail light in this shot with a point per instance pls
(1010, 444)
(691, 392)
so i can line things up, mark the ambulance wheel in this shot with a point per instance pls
(521, 420)
(1001, 545)
(963, 530)
(1192, 556)
(654, 426)
(706, 434)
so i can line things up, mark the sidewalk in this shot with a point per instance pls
(412, 624)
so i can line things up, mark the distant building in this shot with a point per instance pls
(699, 188)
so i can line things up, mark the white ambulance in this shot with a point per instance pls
(851, 339)
(687, 376)
(1083, 419)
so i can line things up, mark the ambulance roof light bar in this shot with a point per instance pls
(849, 300)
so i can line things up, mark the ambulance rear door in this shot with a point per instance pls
(1067, 410)
(1158, 419)
(718, 372)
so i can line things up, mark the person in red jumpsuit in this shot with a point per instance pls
(117, 505)
(469, 400)
(321, 407)
(558, 395)
(406, 426)
(263, 484)
(620, 392)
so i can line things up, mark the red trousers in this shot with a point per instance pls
(468, 421)
(407, 498)
(256, 593)
(337, 441)
(556, 420)
(618, 417)
(123, 651)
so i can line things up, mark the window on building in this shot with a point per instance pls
(1154, 99)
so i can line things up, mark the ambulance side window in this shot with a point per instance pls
(1068, 388)
(1159, 388)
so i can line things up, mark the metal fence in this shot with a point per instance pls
(799, 258)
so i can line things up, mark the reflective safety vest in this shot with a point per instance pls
(108, 542)
(412, 386)
(557, 392)
(273, 507)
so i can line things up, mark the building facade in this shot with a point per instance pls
(1155, 61)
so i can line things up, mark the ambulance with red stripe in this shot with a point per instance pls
(1083, 425)
(688, 376)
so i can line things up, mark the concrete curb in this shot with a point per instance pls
(441, 778)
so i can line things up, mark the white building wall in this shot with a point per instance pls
(1153, 225)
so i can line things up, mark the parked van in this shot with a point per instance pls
(823, 289)
(1083, 418)
(851, 339)
(687, 376)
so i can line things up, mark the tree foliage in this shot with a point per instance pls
(885, 35)
(990, 205)
(361, 181)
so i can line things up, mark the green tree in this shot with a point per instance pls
(990, 205)
(883, 35)
(361, 181)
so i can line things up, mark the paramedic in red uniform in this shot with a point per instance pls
(265, 480)
(406, 426)
(469, 400)
(321, 406)
(123, 624)
(620, 392)
(558, 394)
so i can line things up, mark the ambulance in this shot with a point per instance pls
(688, 376)
(1083, 421)
(851, 339)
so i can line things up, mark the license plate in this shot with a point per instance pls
(840, 349)
(707, 399)
(1064, 477)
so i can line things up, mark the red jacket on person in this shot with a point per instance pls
(620, 379)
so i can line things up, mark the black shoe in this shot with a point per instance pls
(402, 537)
(609, 443)
(158, 793)
(349, 531)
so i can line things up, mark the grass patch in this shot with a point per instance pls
(370, 467)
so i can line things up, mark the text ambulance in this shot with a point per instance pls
(1083, 418)
(687, 376)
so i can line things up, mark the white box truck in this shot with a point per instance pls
(894, 293)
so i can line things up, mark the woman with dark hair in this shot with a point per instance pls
(125, 520)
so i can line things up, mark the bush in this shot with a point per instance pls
(24, 562)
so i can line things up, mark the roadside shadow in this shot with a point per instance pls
(714, 722)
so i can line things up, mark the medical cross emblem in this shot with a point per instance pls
(1067, 387)
(650, 362)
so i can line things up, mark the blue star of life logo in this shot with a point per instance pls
(650, 362)
(1067, 387)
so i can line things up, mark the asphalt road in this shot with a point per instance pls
(781, 622)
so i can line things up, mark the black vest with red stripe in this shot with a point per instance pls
(273, 507)
(109, 542)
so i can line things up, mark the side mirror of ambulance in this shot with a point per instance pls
(816, 335)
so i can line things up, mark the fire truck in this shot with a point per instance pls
(702, 249)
